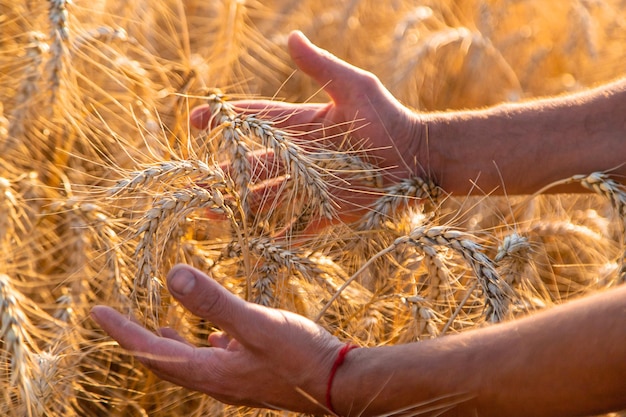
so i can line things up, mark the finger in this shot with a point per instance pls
(150, 349)
(170, 333)
(263, 166)
(249, 323)
(267, 196)
(283, 115)
(219, 340)
(170, 359)
(262, 199)
(339, 79)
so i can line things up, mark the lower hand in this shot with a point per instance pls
(262, 358)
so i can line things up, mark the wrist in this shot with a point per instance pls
(413, 148)
(429, 146)
(365, 383)
(459, 153)
(339, 360)
(347, 385)
(416, 376)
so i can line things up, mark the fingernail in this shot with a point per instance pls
(182, 282)
(94, 315)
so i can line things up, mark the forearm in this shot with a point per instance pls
(520, 148)
(570, 360)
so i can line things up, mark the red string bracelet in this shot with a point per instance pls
(341, 357)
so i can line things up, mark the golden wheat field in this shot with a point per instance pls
(104, 184)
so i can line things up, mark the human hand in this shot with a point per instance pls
(362, 110)
(263, 358)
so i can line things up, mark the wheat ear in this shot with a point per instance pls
(28, 89)
(497, 293)
(18, 344)
(396, 197)
(168, 209)
(301, 167)
(167, 172)
(275, 258)
(602, 184)
(59, 34)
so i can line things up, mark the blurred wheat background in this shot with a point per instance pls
(104, 185)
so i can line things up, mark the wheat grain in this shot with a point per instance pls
(513, 257)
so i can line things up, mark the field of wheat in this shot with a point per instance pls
(104, 184)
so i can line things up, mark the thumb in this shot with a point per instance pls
(342, 81)
(206, 298)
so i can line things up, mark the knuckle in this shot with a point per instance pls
(210, 305)
(369, 80)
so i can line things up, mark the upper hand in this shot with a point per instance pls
(361, 109)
